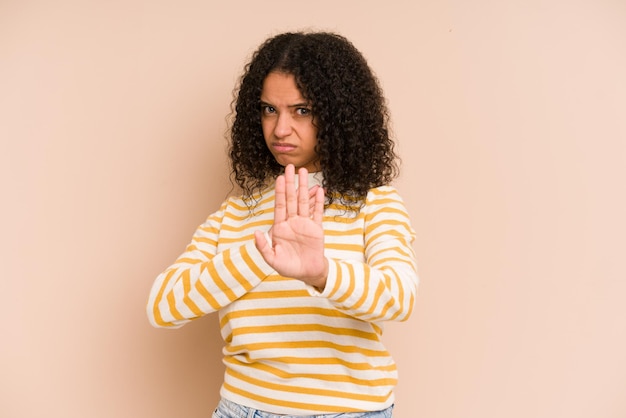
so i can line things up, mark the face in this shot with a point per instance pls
(287, 122)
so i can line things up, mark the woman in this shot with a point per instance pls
(316, 253)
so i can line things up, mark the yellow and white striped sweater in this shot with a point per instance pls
(288, 348)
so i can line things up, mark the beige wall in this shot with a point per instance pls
(511, 118)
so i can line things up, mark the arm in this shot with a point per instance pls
(384, 287)
(202, 280)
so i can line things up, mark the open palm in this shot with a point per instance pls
(296, 246)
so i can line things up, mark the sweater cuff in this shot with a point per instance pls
(331, 281)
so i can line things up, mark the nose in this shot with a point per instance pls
(283, 126)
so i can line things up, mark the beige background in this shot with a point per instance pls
(512, 129)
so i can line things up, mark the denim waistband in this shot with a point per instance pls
(229, 409)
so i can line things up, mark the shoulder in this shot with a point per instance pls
(384, 201)
(246, 204)
(383, 194)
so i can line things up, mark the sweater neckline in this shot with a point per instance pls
(315, 179)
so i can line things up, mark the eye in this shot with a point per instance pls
(267, 110)
(303, 111)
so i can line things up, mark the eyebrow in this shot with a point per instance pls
(304, 104)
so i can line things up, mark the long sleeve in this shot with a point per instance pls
(203, 280)
(384, 286)
(288, 348)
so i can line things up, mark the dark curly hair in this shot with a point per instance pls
(355, 150)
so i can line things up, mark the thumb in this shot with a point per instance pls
(263, 243)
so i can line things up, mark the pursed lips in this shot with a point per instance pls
(283, 146)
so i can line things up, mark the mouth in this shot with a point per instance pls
(282, 147)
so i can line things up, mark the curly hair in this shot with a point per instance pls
(356, 152)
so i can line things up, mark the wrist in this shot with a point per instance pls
(320, 283)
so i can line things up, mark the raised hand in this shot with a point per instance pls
(297, 236)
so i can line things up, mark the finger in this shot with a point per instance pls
(312, 192)
(303, 192)
(318, 212)
(280, 204)
(290, 191)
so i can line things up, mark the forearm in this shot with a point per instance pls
(384, 292)
(188, 290)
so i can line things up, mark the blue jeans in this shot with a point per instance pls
(228, 409)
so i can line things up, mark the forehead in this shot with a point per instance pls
(281, 88)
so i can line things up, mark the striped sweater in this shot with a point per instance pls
(290, 349)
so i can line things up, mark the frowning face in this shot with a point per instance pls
(287, 122)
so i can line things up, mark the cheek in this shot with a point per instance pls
(266, 128)
(313, 133)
